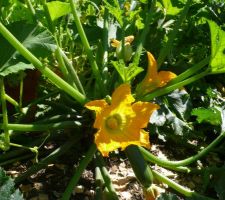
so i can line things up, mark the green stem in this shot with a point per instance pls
(32, 10)
(182, 190)
(105, 175)
(14, 160)
(12, 101)
(82, 166)
(105, 43)
(56, 118)
(167, 163)
(189, 72)
(167, 48)
(87, 48)
(172, 184)
(170, 88)
(40, 127)
(5, 115)
(144, 34)
(21, 94)
(72, 72)
(55, 79)
(58, 54)
(49, 159)
(99, 182)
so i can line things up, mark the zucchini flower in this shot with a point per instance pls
(121, 123)
(153, 78)
(127, 48)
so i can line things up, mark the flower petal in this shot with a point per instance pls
(165, 77)
(107, 143)
(143, 112)
(152, 67)
(96, 105)
(115, 43)
(122, 95)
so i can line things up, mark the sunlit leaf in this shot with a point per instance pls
(217, 48)
(172, 7)
(207, 115)
(126, 73)
(58, 9)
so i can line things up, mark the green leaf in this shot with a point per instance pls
(114, 9)
(207, 115)
(167, 123)
(126, 73)
(132, 71)
(180, 103)
(58, 9)
(217, 48)
(171, 7)
(7, 189)
(18, 12)
(35, 38)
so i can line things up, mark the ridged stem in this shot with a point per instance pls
(167, 163)
(5, 115)
(170, 88)
(54, 78)
(79, 170)
(40, 127)
(87, 48)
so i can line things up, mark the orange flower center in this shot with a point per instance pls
(113, 122)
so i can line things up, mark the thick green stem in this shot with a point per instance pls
(5, 115)
(72, 72)
(55, 79)
(189, 72)
(14, 160)
(40, 127)
(182, 190)
(87, 48)
(167, 163)
(172, 184)
(144, 34)
(170, 88)
(12, 101)
(79, 170)
(105, 175)
(168, 46)
(105, 44)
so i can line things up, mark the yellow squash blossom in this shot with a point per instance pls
(121, 123)
(153, 78)
(128, 40)
(127, 48)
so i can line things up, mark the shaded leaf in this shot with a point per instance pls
(35, 38)
(58, 9)
(168, 196)
(180, 101)
(168, 124)
(7, 189)
(207, 115)
(217, 48)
